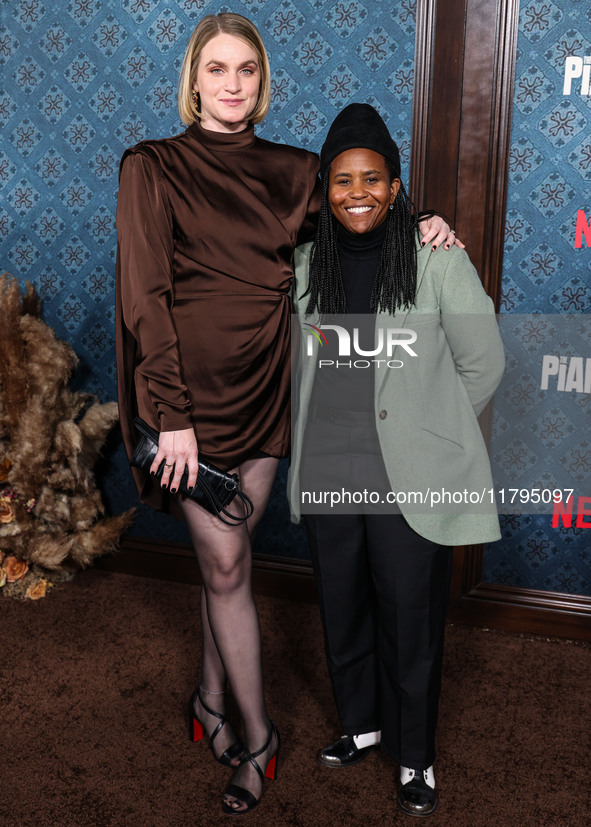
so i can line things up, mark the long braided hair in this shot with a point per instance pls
(395, 281)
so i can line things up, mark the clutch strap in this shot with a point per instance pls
(219, 510)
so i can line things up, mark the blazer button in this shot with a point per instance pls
(383, 414)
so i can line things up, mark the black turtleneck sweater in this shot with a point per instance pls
(353, 388)
(360, 257)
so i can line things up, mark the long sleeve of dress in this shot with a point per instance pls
(309, 225)
(145, 270)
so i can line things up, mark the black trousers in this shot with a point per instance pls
(383, 592)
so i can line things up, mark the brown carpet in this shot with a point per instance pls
(94, 684)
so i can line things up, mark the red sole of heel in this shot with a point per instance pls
(271, 771)
(197, 731)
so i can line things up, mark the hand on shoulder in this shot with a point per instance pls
(436, 231)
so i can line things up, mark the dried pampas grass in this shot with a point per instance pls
(50, 439)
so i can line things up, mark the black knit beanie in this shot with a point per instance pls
(359, 125)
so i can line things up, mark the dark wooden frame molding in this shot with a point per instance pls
(424, 44)
(272, 576)
(529, 611)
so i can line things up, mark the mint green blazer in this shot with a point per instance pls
(426, 413)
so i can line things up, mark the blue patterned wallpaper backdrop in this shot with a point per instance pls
(84, 79)
(549, 181)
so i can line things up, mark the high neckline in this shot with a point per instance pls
(222, 141)
(361, 245)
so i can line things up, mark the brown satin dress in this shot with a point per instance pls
(207, 223)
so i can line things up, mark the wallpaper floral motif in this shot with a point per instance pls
(84, 79)
(543, 273)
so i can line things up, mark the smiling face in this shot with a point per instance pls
(228, 82)
(359, 189)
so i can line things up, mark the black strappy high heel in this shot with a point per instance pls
(197, 730)
(245, 796)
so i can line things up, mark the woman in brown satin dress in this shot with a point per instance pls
(207, 224)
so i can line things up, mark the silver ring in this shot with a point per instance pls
(452, 232)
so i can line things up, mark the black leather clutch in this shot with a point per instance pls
(215, 489)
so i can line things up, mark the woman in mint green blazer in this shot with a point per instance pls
(400, 423)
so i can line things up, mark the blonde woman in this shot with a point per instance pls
(207, 223)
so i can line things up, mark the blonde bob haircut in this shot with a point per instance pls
(208, 28)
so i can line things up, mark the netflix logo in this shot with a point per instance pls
(564, 512)
(583, 228)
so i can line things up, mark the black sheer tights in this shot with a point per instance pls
(231, 633)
